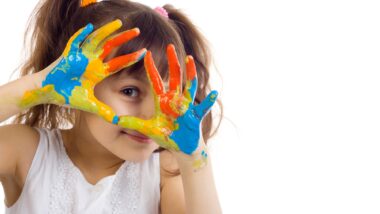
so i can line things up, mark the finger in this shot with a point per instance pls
(134, 123)
(100, 34)
(107, 113)
(84, 99)
(174, 69)
(118, 40)
(204, 107)
(191, 79)
(124, 61)
(153, 75)
(74, 42)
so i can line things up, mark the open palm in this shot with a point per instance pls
(71, 82)
(177, 121)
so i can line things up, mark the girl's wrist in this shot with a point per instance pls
(33, 82)
(197, 160)
(41, 75)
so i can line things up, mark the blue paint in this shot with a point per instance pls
(188, 135)
(66, 75)
(203, 108)
(79, 39)
(142, 56)
(204, 154)
(115, 119)
(193, 88)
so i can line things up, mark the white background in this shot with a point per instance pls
(301, 94)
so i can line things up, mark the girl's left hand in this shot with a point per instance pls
(176, 124)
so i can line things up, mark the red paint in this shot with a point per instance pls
(153, 74)
(174, 68)
(191, 71)
(118, 40)
(123, 61)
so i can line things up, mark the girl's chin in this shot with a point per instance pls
(137, 157)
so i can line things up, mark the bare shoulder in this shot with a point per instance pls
(18, 144)
(172, 193)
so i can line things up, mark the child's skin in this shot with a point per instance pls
(98, 147)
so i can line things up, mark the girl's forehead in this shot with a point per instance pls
(139, 75)
(136, 74)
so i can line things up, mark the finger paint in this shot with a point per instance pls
(200, 162)
(81, 68)
(176, 124)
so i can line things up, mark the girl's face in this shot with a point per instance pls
(126, 94)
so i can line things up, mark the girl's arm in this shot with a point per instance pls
(12, 93)
(193, 191)
(199, 186)
(16, 139)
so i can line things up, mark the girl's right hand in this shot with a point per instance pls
(70, 80)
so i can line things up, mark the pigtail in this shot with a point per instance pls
(195, 44)
(49, 24)
(51, 21)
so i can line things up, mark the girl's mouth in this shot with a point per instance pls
(137, 136)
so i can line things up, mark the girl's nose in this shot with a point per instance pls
(147, 111)
(146, 116)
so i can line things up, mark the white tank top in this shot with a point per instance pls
(55, 185)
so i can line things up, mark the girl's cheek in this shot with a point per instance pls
(123, 108)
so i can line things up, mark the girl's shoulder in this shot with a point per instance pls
(19, 144)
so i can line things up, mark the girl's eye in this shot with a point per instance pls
(131, 91)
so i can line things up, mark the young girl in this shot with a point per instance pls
(100, 128)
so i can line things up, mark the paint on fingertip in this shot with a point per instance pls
(142, 54)
(214, 95)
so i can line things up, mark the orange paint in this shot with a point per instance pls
(174, 69)
(118, 40)
(153, 74)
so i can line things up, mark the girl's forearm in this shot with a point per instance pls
(199, 187)
(12, 93)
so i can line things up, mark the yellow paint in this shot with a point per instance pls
(46, 94)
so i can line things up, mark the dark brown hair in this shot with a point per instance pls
(55, 21)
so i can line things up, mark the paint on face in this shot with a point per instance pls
(82, 67)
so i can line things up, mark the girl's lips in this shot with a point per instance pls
(137, 135)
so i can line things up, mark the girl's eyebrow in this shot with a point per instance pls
(131, 75)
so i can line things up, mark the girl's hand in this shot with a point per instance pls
(176, 125)
(72, 80)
